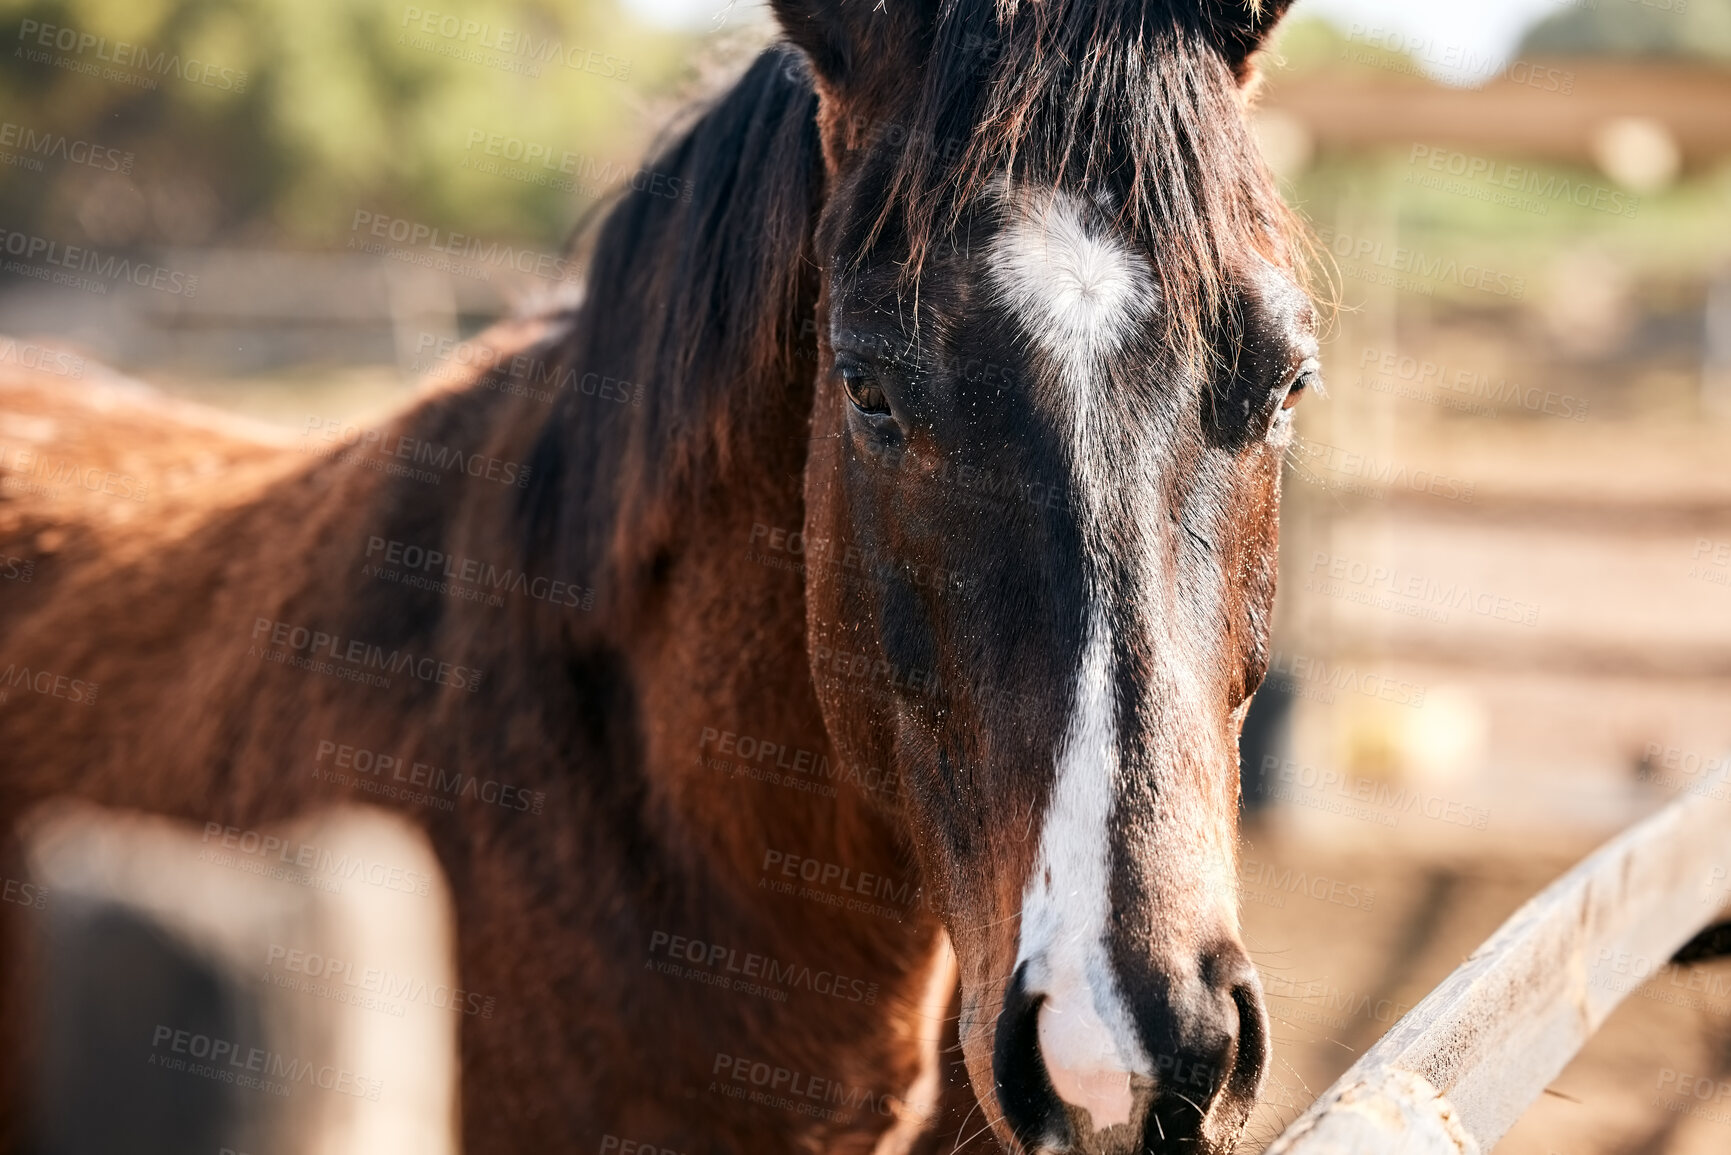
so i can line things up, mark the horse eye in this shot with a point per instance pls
(1305, 379)
(863, 390)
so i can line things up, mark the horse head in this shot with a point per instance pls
(1060, 336)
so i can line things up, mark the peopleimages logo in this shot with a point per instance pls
(614, 1145)
(1365, 474)
(1500, 177)
(31, 470)
(1356, 796)
(767, 541)
(47, 683)
(750, 972)
(339, 865)
(1331, 1006)
(35, 37)
(342, 977)
(1718, 884)
(1397, 266)
(355, 659)
(1280, 881)
(517, 374)
(1711, 1095)
(368, 230)
(32, 147)
(61, 264)
(227, 1061)
(772, 1085)
(530, 49)
(31, 356)
(591, 175)
(466, 577)
(376, 771)
(833, 884)
(1388, 370)
(783, 764)
(384, 449)
(1317, 678)
(1416, 595)
(1414, 54)
(1711, 562)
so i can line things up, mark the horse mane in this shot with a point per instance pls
(702, 298)
(1135, 98)
(705, 299)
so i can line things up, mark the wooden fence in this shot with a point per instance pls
(1455, 1074)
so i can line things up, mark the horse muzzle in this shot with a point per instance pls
(1172, 1066)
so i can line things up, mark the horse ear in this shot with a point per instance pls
(1242, 26)
(851, 43)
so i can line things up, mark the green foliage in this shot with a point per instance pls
(1306, 44)
(275, 121)
(1675, 235)
(1699, 29)
(1515, 213)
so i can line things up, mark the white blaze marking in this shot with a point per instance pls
(1079, 293)
(1076, 288)
(1086, 1037)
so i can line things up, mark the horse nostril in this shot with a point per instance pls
(1250, 1059)
(1208, 1083)
(1025, 1092)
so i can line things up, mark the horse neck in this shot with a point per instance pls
(737, 746)
(684, 505)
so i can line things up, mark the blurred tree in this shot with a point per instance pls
(130, 122)
(1685, 28)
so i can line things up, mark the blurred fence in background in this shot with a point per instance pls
(1505, 617)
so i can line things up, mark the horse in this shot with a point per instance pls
(831, 629)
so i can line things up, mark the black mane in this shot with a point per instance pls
(706, 303)
(1140, 99)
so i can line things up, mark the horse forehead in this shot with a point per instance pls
(1077, 287)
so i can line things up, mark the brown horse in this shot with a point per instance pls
(857, 640)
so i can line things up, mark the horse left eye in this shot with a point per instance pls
(1305, 379)
(863, 390)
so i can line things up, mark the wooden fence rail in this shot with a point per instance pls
(1455, 1073)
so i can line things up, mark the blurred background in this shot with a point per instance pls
(1505, 619)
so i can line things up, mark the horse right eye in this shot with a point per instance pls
(863, 390)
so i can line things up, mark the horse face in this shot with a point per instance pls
(1040, 563)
